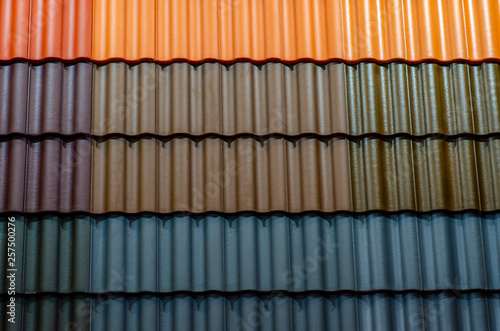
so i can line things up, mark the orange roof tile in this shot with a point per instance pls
(14, 29)
(232, 30)
(123, 29)
(60, 29)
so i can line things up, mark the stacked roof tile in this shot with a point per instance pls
(230, 164)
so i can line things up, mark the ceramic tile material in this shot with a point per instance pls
(227, 176)
(14, 85)
(60, 30)
(14, 29)
(243, 164)
(468, 311)
(124, 30)
(52, 254)
(243, 98)
(424, 175)
(12, 174)
(58, 176)
(45, 29)
(50, 98)
(225, 30)
(60, 99)
(292, 31)
(167, 254)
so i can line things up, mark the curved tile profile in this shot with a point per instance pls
(298, 30)
(229, 31)
(50, 98)
(60, 99)
(300, 99)
(275, 174)
(58, 176)
(14, 29)
(304, 253)
(211, 174)
(12, 174)
(424, 175)
(60, 30)
(39, 30)
(410, 311)
(124, 30)
(14, 85)
(56, 254)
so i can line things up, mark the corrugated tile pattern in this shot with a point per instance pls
(48, 98)
(124, 99)
(124, 29)
(48, 312)
(424, 175)
(60, 98)
(12, 174)
(369, 253)
(289, 31)
(423, 99)
(58, 176)
(305, 98)
(471, 311)
(216, 175)
(14, 29)
(248, 99)
(14, 88)
(301, 175)
(60, 29)
(227, 100)
(52, 254)
(298, 30)
(46, 29)
(45, 175)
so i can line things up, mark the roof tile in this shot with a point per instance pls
(58, 176)
(60, 29)
(12, 174)
(14, 95)
(240, 253)
(14, 29)
(124, 30)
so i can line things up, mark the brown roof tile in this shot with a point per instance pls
(244, 98)
(58, 176)
(216, 175)
(13, 96)
(12, 174)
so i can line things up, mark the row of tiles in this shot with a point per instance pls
(248, 174)
(166, 254)
(228, 30)
(244, 98)
(442, 311)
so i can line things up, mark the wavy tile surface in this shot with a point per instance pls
(14, 29)
(58, 176)
(60, 30)
(51, 98)
(423, 175)
(276, 174)
(467, 311)
(60, 98)
(373, 252)
(296, 30)
(123, 29)
(12, 174)
(243, 98)
(14, 85)
(45, 29)
(215, 175)
(305, 98)
(226, 30)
